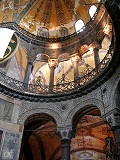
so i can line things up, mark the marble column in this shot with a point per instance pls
(52, 65)
(96, 56)
(96, 47)
(75, 58)
(27, 73)
(29, 68)
(66, 136)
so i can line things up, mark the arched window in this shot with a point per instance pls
(63, 32)
(92, 10)
(43, 32)
(78, 25)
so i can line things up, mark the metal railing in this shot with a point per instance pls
(66, 87)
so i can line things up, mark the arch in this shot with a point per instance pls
(85, 110)
(37, 117)
(85, 107)
(23, 117)
(33, 122)
(42, 57)
(64, 57)
(92, 10)
(79, 25)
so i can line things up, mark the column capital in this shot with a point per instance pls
(113, 119)
(31, 58)
(53, 63)
(96, 45)
(66, 133)
(75, 58)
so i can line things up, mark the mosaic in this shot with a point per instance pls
(70, 6)
(6, 7)
(47, 13)
(84, 4)
(16, 8)
(60, 13)
(21, 67)
(36, 14)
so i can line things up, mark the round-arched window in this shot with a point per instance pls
(92, 10)
(43, 32)
(78, 26)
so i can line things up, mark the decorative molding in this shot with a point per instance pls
(28, 109)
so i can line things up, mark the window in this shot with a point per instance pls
(78, 26)
(4, 40)
(63, 32)
(43, 32)
(92, 10)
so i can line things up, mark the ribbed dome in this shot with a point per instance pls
(51, 15)
(41, 16)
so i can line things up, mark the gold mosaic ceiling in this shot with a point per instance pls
(32, 15)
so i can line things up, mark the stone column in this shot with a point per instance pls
(66, 136)
(96, 47)
(52, 65)
(29, 68)
(96, 56)
(75, 58)
(28, 72)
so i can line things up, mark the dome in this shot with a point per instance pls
(59, 46)
(46, 18)
(59, 79)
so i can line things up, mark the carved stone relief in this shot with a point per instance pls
(6, 110)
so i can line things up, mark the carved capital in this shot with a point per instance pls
(113, 119)
(66, 134)
(53, 63)
(31, 58)
(96, 45)
(75, 58)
